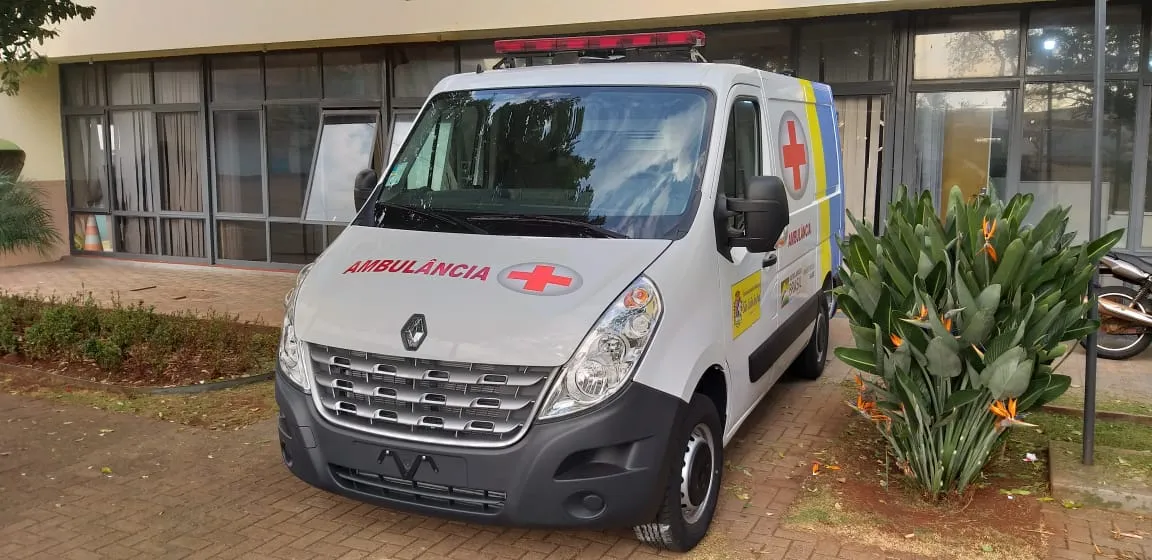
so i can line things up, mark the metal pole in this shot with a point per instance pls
(1094, 227)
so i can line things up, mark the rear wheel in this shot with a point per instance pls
(1118, 339)
(810, 363)
(693, 481)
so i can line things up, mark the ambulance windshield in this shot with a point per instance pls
(554, 161)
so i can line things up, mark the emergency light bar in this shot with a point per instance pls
(601, 42)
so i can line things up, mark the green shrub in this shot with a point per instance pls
(133, 340)
(957, 323)
(25, 221)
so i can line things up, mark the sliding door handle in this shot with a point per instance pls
(770, 260)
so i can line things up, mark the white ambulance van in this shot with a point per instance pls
(568, 290)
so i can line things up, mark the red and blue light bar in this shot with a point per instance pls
(601, 42)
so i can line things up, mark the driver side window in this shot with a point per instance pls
(742, 152)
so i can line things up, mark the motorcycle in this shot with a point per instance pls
(1125, 313)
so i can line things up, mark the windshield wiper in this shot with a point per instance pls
(601, 232)
(440, 216)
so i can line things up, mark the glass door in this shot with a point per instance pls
(861, 122)
(961, 139)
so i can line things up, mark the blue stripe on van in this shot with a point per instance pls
(833, 167)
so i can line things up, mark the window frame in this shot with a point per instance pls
(731, 125)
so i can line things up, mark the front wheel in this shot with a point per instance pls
(1118, 339)
(693, 481)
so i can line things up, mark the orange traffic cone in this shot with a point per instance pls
(92, 236)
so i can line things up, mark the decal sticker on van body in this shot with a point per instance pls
(542, 279)
(745, 303)
(431, 267)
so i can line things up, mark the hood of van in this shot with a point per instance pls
(484, 298)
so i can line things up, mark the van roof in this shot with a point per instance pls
(716, 76)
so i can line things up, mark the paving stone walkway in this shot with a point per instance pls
(178, 492)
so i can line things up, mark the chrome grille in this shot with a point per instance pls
(431, 401)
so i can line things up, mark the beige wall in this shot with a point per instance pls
(125, 28)
(32, 120)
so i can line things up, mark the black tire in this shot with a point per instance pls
(1105, 347)
(810, 363)
(679, 527)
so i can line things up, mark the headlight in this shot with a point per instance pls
(290, 353)
(609, 354)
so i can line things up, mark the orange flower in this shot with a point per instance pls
(989, 232)
(1007, 414)
(859, 383)
(896, 339)
(989, 229)
(948, 324)
(923, 313)
(815, 468)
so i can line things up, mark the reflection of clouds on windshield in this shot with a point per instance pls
(645, 160)
(345, 150)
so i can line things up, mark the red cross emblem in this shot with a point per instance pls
(794, 153)
(540, 277)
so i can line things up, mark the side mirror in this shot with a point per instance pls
(765, 210)
(362, 187)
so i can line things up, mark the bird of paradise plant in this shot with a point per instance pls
(956, 323)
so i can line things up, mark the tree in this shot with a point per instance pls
(25, 222)
(24, 26)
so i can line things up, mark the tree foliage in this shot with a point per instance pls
(24, 26)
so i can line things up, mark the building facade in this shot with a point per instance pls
(169, 131)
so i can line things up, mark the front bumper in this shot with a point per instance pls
(601, 469)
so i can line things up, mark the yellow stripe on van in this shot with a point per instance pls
(823, 205)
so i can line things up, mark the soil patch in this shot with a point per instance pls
(857, 492)
(226, 409)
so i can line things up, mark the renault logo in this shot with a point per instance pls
(414, 332)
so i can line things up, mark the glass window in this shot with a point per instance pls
(861, 123)
(292, 75)
(764, 48)
(291, 143)
(1061, 41)
(742, 151)
(92, 233)
(86, 164)
(416, 70)
(295, 243)
(401, 126)
(131, 139)
(236, 78)
(333, 232)
(136, 235)
(1056, 163)
(558, 161)
(962, 140)
(130, 84)
(347, 146)
(239, 173)
(353, 74)
(482, 54)
(83, 85)
(177, 81)
(178, 150)
(967, 46)
(846, 52)
(181, 237)
(241, 241)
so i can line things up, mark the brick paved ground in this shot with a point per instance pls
(178, 492)
(254, 295)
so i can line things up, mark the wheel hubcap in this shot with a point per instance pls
(698, 474)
